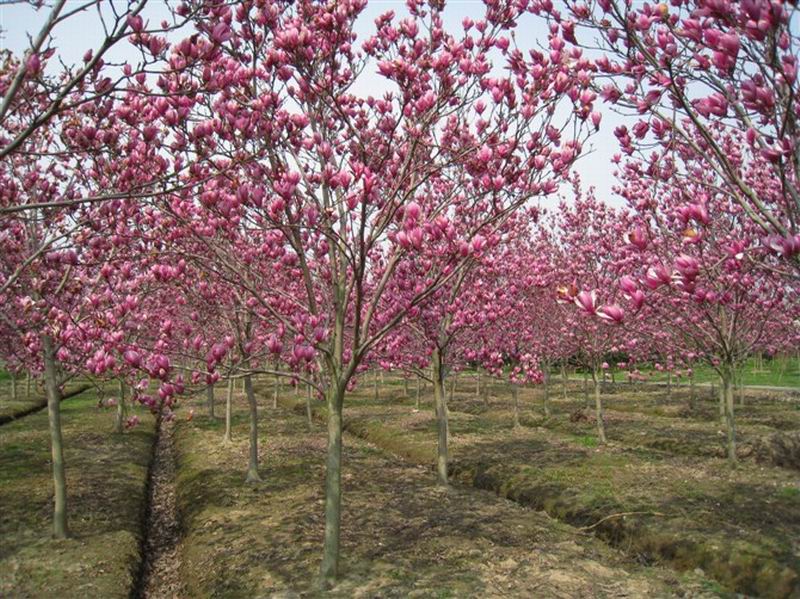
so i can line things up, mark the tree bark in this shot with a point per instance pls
(275, 392)
(564, 380)
(418, 391)
(122, 409)
(692, 397)
(515, 397)
(13, 386)
(441, 417)
(669, 385)
(53, 391)
(252, 466)
(546, 399)
(598, 406)
(726, 380)
(586, 388)
(210, 400)
(28, 386)
(478, 383)
(309, 414)
(228, 401)
(375, 383)
(333, 485)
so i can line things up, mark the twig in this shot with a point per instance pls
(620, 515)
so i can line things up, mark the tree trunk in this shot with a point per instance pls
(228, 401)
(252, 466)
(28, 385)
(564, 380)
(478, 383)
(418, 392)
(515, 397)
(53, 391)
(275, 392)
(586, 388)
(406, 392)
(726, 380)
(692, 397)
(546, 400)
(598, 407)
(309, 414)
(122, 409)
(375, 382)
(669, 385)
(721, 398)
(333, 485)
(13, 386)
(210, 400)
(441, 417)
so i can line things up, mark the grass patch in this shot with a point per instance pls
(106, 496)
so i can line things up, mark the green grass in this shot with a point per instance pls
(106, 483)
(778, 372)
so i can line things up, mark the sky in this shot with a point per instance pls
(19, 22)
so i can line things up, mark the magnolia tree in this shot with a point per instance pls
(590, 259)
(345, 189)
(698, 75)
(712, 291)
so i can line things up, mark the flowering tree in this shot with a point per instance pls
(345, 189)
(701, 76)
(711, 291)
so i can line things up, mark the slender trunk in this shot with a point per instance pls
(441, 417)
(721, 398)
(478, 383)
(564, 380)
(692, 397)
(28, 385)
(598, 407)
(309, 414)
(669, 385)
(406, 392)
(333, 485)
(546, 400)
(13, 386)
(252, 466)
(515, 396)
(726, 380)
(375, 383)
(418, 392)
(210, 400)
(453, 379)
(586, 388)
(122, 409)
(228, 406)
(275, 392)
(53, 391)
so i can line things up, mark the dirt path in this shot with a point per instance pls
(161, 560)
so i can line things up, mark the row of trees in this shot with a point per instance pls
(231, 204)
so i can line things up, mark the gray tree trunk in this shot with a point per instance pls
(515, 397)
(53, 391)
(329, 568)
(228, 407)
(275, 391)
(418, 391)
(28, 385)
(598, 406)
(210, 400)
(441, 417)
(122, 409)
(309, 414)
(726, 384)
(13, 386)
(252, 466)
(546, 399)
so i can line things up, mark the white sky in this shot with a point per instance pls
(19, 22)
